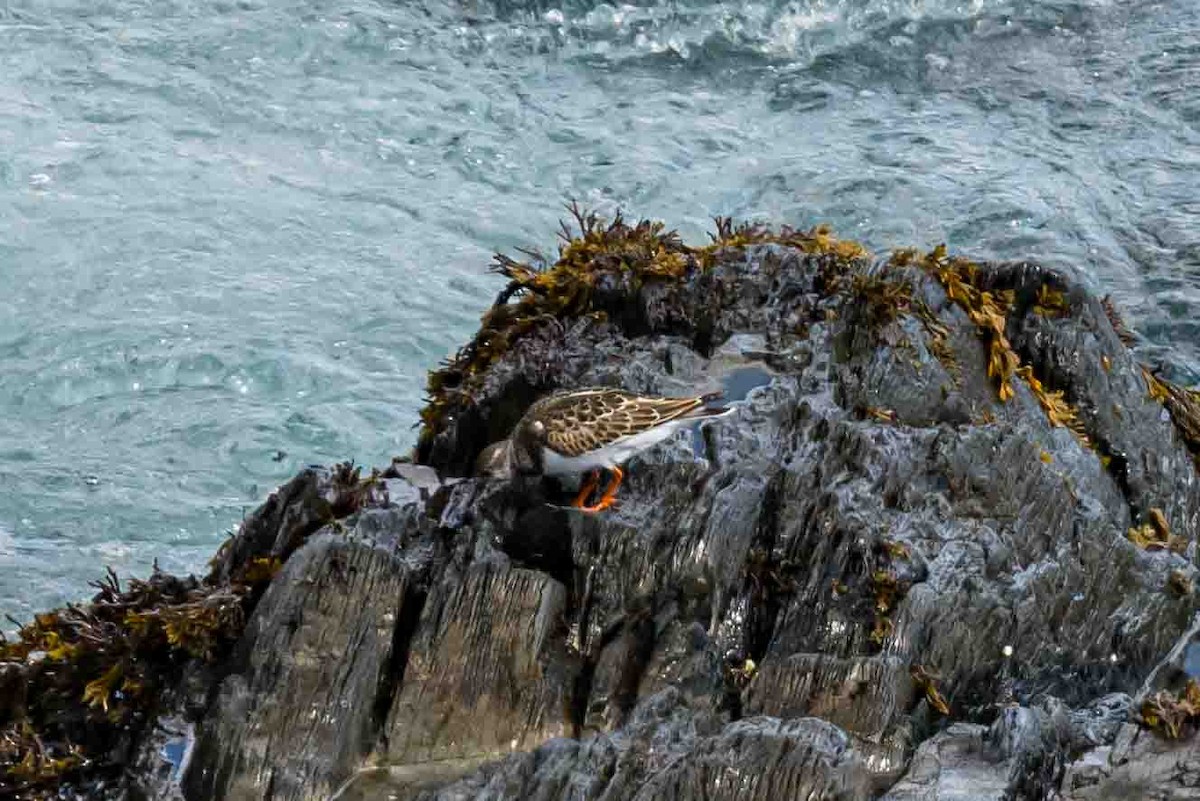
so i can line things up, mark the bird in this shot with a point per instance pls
(582, 432)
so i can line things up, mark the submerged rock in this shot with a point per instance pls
(908, 564)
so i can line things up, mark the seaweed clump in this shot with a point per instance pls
(1058, 411)
(883, 298)
(886, 593)
(1173, 716)
(818, 241)
(1117, 322)
(80, 678)
(78, 684)
(1182, 404)
(987, 310)
(1155, 534)
(927, 683)
(600, 264)
(1050, 302)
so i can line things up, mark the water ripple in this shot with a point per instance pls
(237, 234)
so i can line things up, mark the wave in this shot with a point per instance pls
(789, 34)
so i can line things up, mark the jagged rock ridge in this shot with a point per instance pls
(904, 566)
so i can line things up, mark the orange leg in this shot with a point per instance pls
(586, 489)
(610, 492)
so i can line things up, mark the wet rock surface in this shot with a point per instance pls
(874, 578)
(296, 712)
(660, 753)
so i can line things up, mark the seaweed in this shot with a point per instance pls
(78, 684)
(939, 344)
(89, 674)
(881, 414)
(1155, 534)
(1181, 403)
(895, 550)
(740, 675)
(886, 592)
(882, 629)
(353, 492)
(1173, 716)
(927, 683)
(880, 298)
(1117, 322)
(887, 587)
(987, 310)
(1050, 302)
(1058, 411)
(819, 240)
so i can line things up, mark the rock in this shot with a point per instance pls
(487, 670)
(315, 497)
(163, 757)
(945, 537)
(660, 755)
(1133, 762)
(1140, 765)
(324, 649)
(764, 758)
(864, 696)
(1019, 756)
(873, 538)
(1179, 666)
(954, 765)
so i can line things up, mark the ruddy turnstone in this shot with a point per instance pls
(584, 431)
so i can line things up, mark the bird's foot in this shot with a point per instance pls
(610, 493)
(600, 505)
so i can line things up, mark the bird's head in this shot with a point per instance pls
(495, 461)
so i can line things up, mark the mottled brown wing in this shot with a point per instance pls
(584, 420)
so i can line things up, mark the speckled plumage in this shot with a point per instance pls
(572, 431)
(585, 420)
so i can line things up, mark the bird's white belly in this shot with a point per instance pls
(615, 453)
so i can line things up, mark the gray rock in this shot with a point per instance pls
(1180, 665)
(1019, 756)
(1131, 762)
(660, 755)
(955, 765)
(782, 599)
(486, 672)
(868, 697)
(296, 719)
(1139, 765)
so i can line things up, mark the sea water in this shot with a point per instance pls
(235, 235)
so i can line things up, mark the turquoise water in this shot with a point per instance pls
(234, 235)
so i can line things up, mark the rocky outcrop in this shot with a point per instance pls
(942, 544)
(659, 754)
(297, 712)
